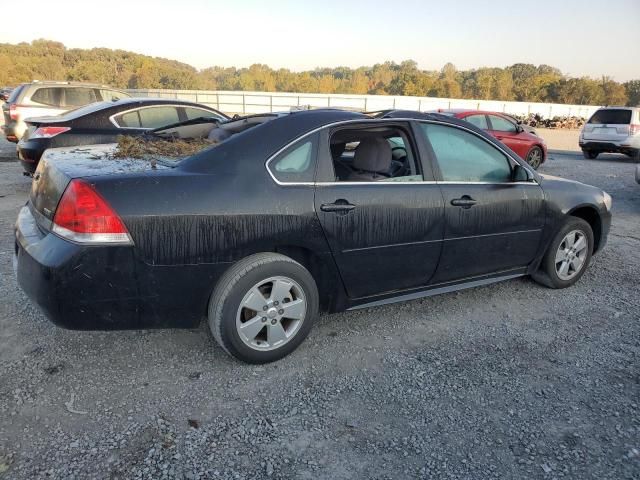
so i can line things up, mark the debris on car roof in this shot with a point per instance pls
(135, 147)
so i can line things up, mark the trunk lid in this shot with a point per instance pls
(58, 166)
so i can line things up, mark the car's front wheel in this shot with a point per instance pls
(568, 255)
(535, 157)
(590, 154)
(263, 307)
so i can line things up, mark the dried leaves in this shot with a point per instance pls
(137, 147)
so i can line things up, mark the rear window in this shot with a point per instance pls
(156, 117)
(192, 113)
(14, 95)
(47, 96)
(621, 116)
(113, 95)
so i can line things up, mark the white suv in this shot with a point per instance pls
(37, 99)
(612, 129)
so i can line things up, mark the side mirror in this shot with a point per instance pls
(519, 128)
(520, 174)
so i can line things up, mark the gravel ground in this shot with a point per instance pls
(508, 381)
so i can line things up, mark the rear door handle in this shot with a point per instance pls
(341, 206)
(465, 202)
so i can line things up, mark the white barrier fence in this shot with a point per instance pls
(261, 102)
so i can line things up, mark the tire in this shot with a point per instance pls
(550, 270)
(267, 335)
(590, 154)
(535, 157)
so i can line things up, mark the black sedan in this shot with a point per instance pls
(290, 214)
(102, 122)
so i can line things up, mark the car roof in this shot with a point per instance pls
(472, 111)
(56, 83)
(264, 140)
(117, 106)
(618, 108)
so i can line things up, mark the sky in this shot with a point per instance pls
(581, 38)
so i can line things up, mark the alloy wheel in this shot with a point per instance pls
(535, 158)
(571, 255)
(271, 313)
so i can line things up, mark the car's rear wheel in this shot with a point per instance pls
(568, 255)
(590, 154)
(263, 307)
(535, 157)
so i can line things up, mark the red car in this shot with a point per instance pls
(506, 129)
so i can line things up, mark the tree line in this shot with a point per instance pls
(50, 60)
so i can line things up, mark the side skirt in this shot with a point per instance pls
(443, 289)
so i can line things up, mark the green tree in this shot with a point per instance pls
(632, 89)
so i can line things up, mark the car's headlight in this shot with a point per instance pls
(607, 200)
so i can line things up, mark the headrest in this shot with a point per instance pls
(373, 155)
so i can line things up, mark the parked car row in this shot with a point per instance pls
(103, 122)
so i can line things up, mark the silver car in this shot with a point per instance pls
(39, 99)
(612, 129)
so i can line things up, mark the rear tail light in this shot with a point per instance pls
(633, 129)
(13, 111)
(83, 216)
(48, 132)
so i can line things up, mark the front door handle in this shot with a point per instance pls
(465, 202)
(339, 206)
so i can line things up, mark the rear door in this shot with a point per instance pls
(492, 224)
(507, 132)
(385, 235)
(608, 125)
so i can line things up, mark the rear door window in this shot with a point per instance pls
(155, 117)
(47, 96)
(479, 121)
(128, 120)
(192, 113)
(112, 95)
(77, 97)
(613, 116)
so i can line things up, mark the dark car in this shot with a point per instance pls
(291, 214)
(103, 122)
(506, 128)
(5, 92)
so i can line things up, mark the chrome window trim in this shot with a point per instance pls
(511, 160)
(177, 105)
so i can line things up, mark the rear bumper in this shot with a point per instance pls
(609, 147)
(30, 152)
(14, 130)
(107, 287)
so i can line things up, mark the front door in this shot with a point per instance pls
(508, 133)
(383, 218)
(492, 224)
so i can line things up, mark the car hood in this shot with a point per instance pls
(551, 178)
